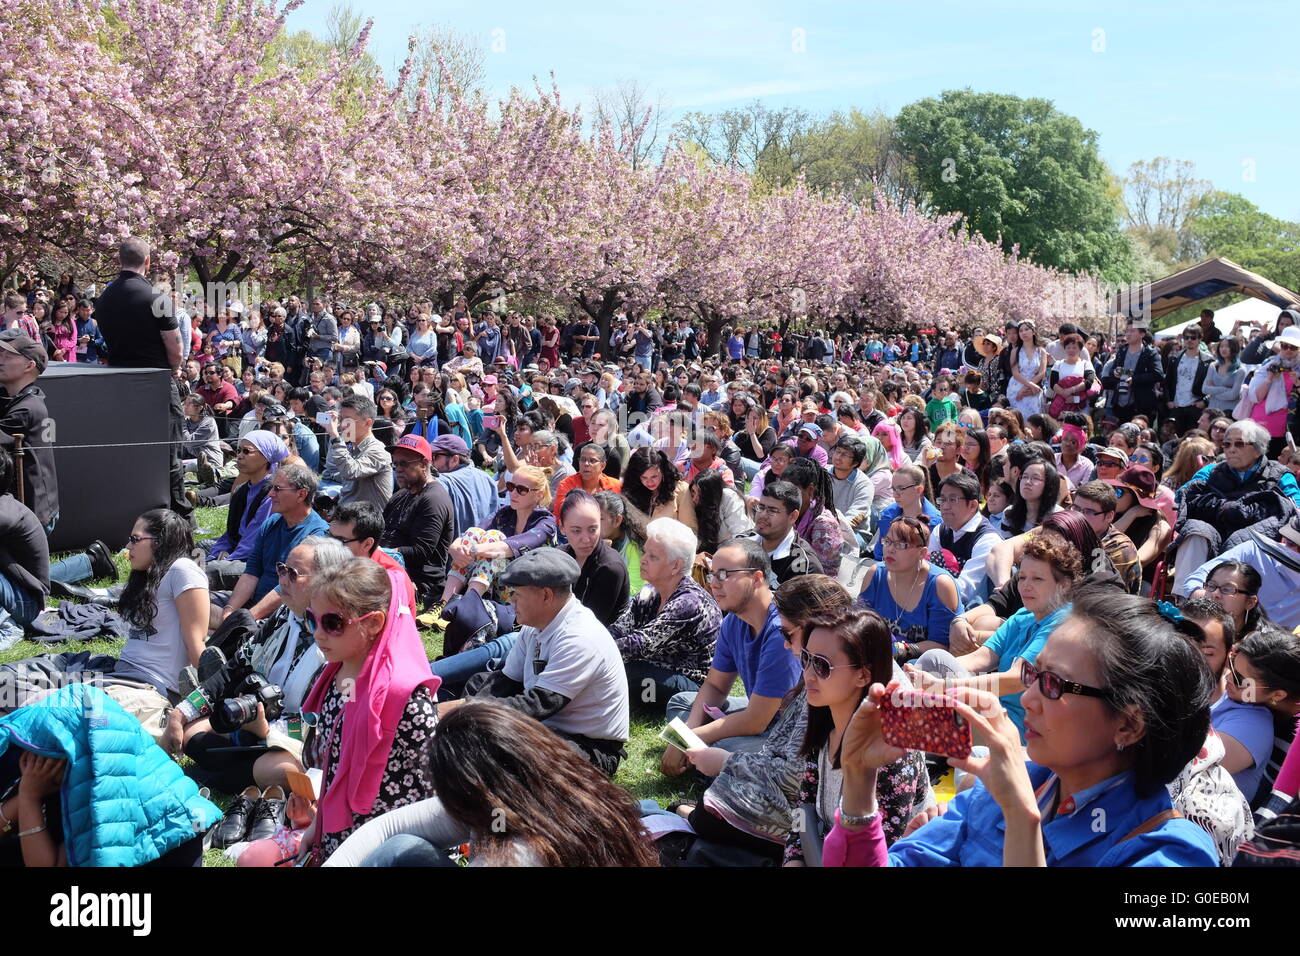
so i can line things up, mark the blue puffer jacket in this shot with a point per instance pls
(125, 802)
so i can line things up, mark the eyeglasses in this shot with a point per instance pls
(1195, 338)
(1218, 428)
(1236, 444)
(899, 490)
(137, 538)
(899, 544)
(1289, 348)
(770, 509)
(1087, 512)
(280, 488)
(518, 489)
(1052, 686)
(1227, 590)
(341, 540)
(330, 622)
(1232, 669)
(721, 575)
(821, 666)
(245, 450)
(284, 571)
(951, 501)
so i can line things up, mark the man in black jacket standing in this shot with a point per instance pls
(1132, 374)
(141, 331)
(23, 412)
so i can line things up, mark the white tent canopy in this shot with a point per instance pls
(1248, 311)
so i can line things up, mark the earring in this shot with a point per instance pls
(1119, 748)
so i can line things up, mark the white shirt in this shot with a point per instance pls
(972, 578)
(782, 550)
(580, 661)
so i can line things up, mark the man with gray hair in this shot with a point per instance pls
(292, 490)
(668, 632)
(545, 453)
(1223, 503)
(140, 329)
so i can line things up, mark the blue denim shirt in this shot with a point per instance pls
(973, 831)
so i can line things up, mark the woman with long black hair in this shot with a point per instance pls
(653, 485)
(719, 509)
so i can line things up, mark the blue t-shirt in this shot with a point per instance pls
(1251, 725)
(928, 621)
(1021, 636)
(766, 668)
(274, 542)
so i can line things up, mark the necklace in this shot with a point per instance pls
(912, 592)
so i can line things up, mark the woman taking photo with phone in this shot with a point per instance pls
(843, 652)
(1116, 706)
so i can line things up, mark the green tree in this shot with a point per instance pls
(1023, 174)
(853, 154)
(1230, 225)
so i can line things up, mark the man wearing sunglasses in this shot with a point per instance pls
(751, 646)
(1185, 381)
(1224, 504)
(565, 669)
(417, 521)
(292, 491)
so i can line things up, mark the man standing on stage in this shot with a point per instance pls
(141, 331)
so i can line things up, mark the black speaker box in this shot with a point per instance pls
(110, 449)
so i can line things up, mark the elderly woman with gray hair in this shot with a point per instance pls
(668, 632)
(1224, 503)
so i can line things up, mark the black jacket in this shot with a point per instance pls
(25, 414)
(131, 325)
(420, 527)
(1148, 371)
(1198, 381)
(24, 550)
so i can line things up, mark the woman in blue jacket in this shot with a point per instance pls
(1117, 704)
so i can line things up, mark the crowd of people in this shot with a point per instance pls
(1087, 550)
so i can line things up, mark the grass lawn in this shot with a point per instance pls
(639, 773)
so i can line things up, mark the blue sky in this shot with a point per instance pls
(1218, 85)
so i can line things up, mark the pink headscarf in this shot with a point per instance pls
(889, 436)
(1079, 435)
(395, 666)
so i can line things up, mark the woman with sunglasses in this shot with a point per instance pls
(916, 599)
(1116, 706)
(1265, 664)
(1050, 567)
(844, 653)
(750, 801)
(480, 554)
(372, 709)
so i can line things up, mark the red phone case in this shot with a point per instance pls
(917, 721)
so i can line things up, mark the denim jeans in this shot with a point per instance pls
(680, 706)
(459, 668)
(23, 605)
(73, 569)
(407, 849)
(650, 687)
(750, 467)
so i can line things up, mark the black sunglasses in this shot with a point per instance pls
(1052, 686)
(821, 666)
(330, 622)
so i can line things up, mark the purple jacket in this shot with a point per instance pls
(249, 525)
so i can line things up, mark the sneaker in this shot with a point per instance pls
(210, 674)
(101, 561)
(268, 815)
(432, 617)
(233, 827)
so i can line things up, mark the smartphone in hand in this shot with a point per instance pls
(914, 720)
(324, 418)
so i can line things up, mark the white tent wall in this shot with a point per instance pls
(1249, 311)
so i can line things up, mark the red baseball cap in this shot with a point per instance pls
(416, 444)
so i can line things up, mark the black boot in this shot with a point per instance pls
(101, 561)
